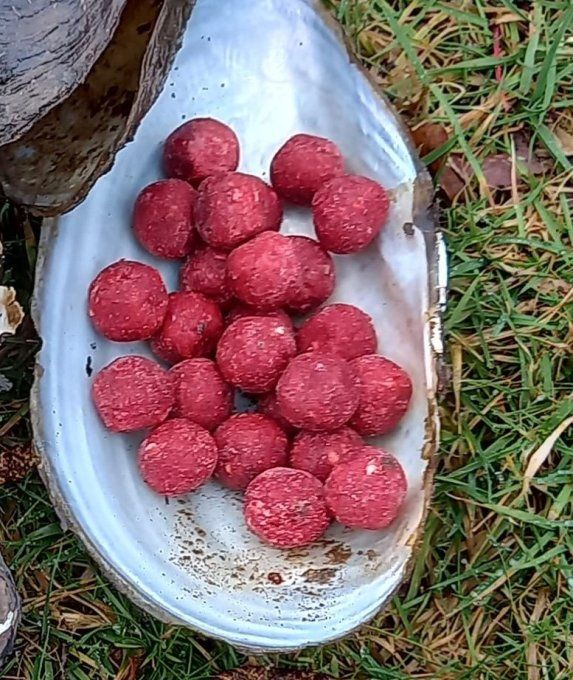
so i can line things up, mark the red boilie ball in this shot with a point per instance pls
(338, 329)
(254, 351)
(349, 212)
(177, 457)
(319, 452)
(200, 148)
(205, 271)
(248, 443)
(193, 324)
(163, 218)
(233, 208)
(316, 278)
(132, 393)
(286, 508)
(127, 301)
(385, 391)
(201, 393)
(302, 165)
(317, 392)
(367, 491)
(264, 272)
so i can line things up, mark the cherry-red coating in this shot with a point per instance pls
(349, 212)
(193, 324)
(385, 391)
(132, 393)
(248, 444)
(254, 351)
(339, 329)
(319, 452)
(264, 272)
(286, 508)
(302, 165)
(317, 392)
(177, 457)
(367, 491)
(205, 271)
(127, 301)
(163, 218)
(233, 208)
(316, 278)
(268, 406)
(201, 393)
(200, 148)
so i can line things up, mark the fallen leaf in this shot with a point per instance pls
(540, 455)
(526, 155)
(565, 140)
(428, 137)
(497, 171)
(11, 314)
(455, 176)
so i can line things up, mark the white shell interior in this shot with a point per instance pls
(269, 69)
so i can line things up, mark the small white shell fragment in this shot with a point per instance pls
(11, 313)
(193, 561)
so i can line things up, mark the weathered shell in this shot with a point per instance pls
(269, 69)
(52, 167)
(46, 49)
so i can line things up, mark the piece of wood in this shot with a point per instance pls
(9, 611)
(47, 48)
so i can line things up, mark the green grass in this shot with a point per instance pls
(490, 596)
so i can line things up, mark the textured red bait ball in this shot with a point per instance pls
(127, 301)
(349, 212)
(317, 275)
(302, 165)
(254, 351)
(319, 452)
(163, 352)
(264, 272)
(233, 208)
(132, 393)
(385, 392)
(286, 508)
(177, 457)
(367, 491)
(163, 218)
(317, 392)
(241, 311)
(206, 272)
(268, 406)
(338, 329)
(201, 394)
(249, 443)
(193, 324)
(200, 148)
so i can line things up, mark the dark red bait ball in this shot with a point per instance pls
(163, 218)
(338, 329)
(248, 443)
(319, 452)
(206, 272)
(367, 491)
(254, 351)
(200, 148)
(302, 165)
(264, 272)
(385, 393)
(317, 275)
(132, 393)
(286, 508)
(349, 212)
(177, 457)
(127, 301)
(201, 394)
(233, 208)
(317, 392)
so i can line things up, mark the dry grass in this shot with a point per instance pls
(490, 596)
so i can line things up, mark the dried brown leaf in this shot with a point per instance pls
(565, 140)
(428, 137)
(497, 171)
